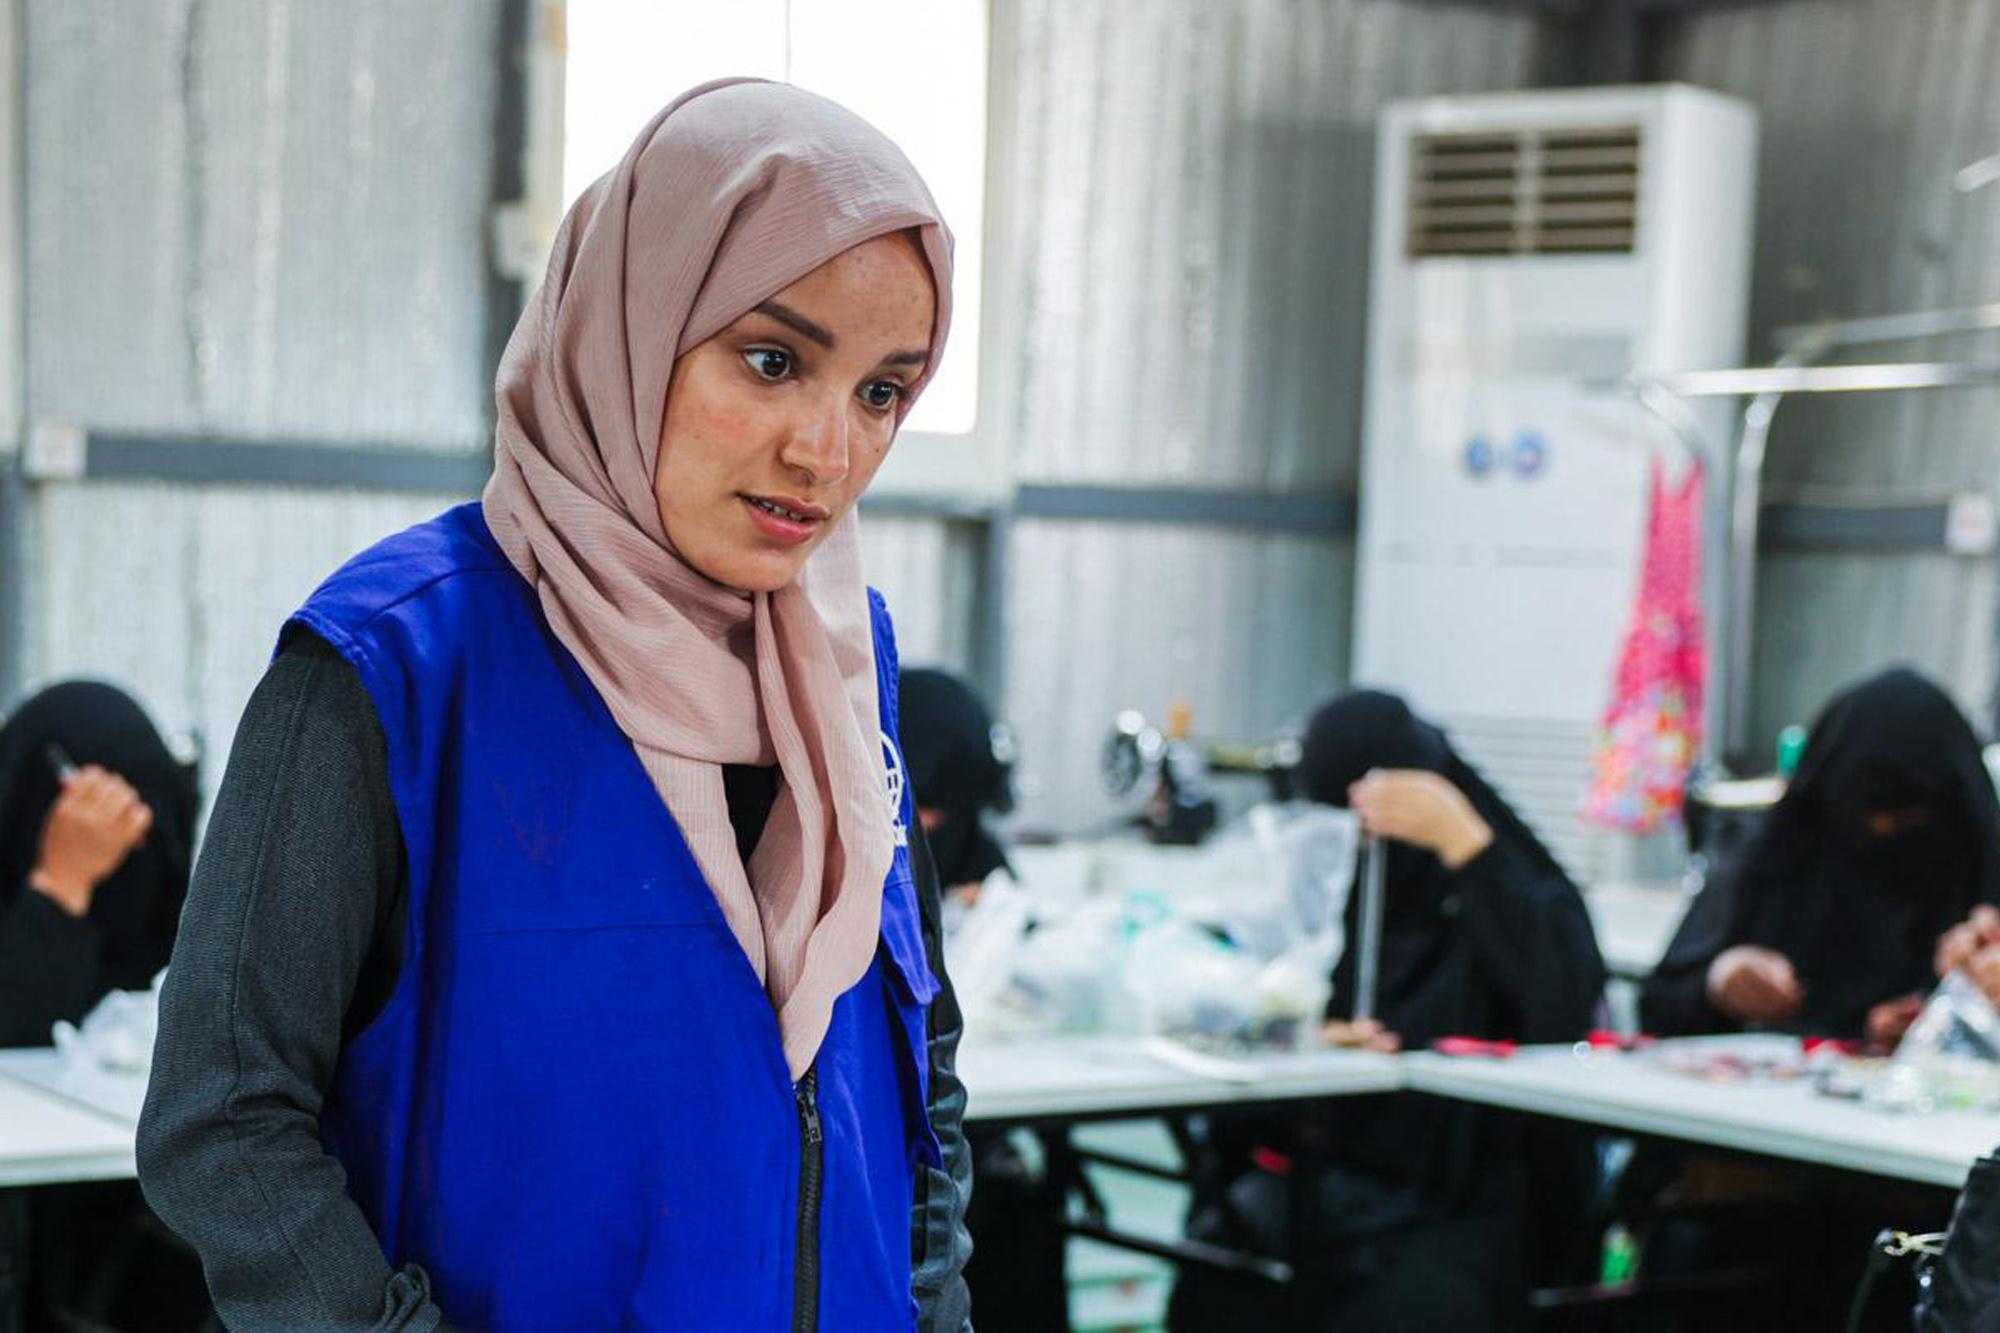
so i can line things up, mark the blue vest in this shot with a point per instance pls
(573, 1109)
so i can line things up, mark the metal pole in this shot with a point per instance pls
(1367, 963)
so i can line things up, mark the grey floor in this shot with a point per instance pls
(1113, 1290)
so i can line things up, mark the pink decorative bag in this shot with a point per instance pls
(1651, 734)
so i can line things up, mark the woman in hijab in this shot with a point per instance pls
(95, 823)
(1428, 1212)
(1831, 920)
(950, 750)
(558, 957)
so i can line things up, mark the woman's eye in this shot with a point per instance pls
(769, 362)
(883, 394)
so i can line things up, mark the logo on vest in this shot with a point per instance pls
(893, 759)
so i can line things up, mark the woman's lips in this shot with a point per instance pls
(792, 527)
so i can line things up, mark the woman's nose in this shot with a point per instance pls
(817, 444)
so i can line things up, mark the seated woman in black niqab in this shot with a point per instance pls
(1830, 920)
(96, 819)
(96, 822)
(957, 773)
(1430, 1213)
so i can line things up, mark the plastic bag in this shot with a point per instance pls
(1949, 1060)
(1244, 956)
(1062, 977)
(118, 1034)
(983, 942)
(1230, 944)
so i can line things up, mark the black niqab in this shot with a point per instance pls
(1347, 739)
(1858, 914)
(948, 752)
(137, 907)
(1500, 948)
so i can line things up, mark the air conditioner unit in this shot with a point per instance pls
(1530, 251)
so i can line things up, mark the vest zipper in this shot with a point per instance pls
(812, 1163)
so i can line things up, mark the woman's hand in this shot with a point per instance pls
(1362, 1035)
(1956, 946)
(1422, 809)
(1754, 985)
(1983, 970)
(1889, 1020)
(95, 823)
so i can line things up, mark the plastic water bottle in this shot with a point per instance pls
(1791, 746)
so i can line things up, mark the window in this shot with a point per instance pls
(916, 70)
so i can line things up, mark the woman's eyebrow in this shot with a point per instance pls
(792, 319)
(822, 335)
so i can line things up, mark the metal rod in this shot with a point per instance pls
(1767, 388)
(1977, 175)
(1138, 1166)
(1186, 1253)
(1828, 379)
(1889, 328)
(1368, 961)
(1746, 509)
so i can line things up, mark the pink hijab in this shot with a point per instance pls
(734, 192)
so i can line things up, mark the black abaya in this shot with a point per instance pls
(1500, 949)
(53, 965)
(1857, 914)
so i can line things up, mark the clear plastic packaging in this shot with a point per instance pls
(1229, 945)
(1949, 1060)
(1246, 958)
(116, 1035)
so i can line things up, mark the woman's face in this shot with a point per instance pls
(776, 425)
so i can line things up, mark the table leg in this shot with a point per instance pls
(13, 1260)
(1061, 1172)
(1300, 1200)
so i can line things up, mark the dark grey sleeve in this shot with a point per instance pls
(940, 1242)
(302, 850)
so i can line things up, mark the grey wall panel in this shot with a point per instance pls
(178, 594)
(1829, 619)
(1868, 108)
(925, 570)
(111, 569)
(260, 217)
(1249, 631)
(1192, 190)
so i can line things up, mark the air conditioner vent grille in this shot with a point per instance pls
(1527, 192)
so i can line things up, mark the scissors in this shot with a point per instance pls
(59, 760)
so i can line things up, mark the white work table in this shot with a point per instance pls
(1101, 1078)
(45, 1140)
(1779, 1118)
(60, 1121)
(119, 1095)
(1093, 1077)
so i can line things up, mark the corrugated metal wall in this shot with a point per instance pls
(928, 571)
(260, 217)
(257, 218)
(265, 217)
(182, 605)
(1868, 107)
(1189, 206)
